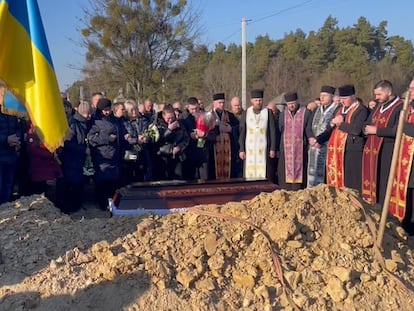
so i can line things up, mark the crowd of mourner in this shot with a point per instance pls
(336, 139)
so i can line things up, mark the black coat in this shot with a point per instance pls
(385, 153)
(354, 148)
(9, 125)
(105, 154)
(170, 139)
(73, 155)
(195, 154)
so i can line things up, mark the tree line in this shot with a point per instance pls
(150, 49)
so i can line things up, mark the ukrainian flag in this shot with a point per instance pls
(26, 68)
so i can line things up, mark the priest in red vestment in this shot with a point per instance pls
(381, 131)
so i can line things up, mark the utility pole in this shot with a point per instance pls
(244, 63)
(81, 94)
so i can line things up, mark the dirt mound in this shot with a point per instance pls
(311, 250)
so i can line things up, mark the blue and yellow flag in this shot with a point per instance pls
(26, 68)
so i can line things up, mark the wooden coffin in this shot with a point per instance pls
(162, 197)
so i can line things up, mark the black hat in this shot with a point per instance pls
(104, 103)
(346, 90)
(256, 94)
(291, 97)
(328, 89)
(67, 104)
(219, 96)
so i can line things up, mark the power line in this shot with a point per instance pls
(268, 16)
(281, 11)
(231, 35)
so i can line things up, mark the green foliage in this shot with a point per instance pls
(321, 48)
(150, 45)
(139, 42)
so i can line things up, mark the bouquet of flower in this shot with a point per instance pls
(150, 134)
(88, 169)
(205, 122)
(201, 125)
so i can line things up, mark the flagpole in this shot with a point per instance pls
(395, 155)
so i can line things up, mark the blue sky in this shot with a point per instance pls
(221, 22)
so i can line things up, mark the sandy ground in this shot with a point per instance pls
(309, 250)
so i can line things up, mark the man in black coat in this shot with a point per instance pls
(75, 152)
(9, 145)
(346, 143)
(196, 164)
(224, 136)
(171, 145)
(103, 139)
(378, 149)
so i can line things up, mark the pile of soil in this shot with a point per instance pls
(312, 249)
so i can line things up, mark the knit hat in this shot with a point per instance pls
(104, 103)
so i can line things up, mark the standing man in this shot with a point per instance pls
(103, 138)
(345, 146)
(402, 197)
(236, 108)
(171, 145)
(321, 130)
(257, 139)
(295, 128)
(379, 147)
(94, 102)
(225, 139)
(237, 163)
(9, 145)
(149, 112)
(273, 107)
(196, 164)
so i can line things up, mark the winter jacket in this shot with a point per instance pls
(43, 165)
(105, 154)
(8, 126)
(74, 151)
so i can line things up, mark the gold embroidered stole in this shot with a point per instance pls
(222, 149)
(293, 146)
(335, 159)
(402, 173)
(371, 152)
(256, 143)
